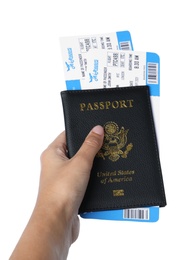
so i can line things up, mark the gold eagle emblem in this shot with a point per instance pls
(114, 141)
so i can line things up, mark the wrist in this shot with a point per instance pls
(51, 221)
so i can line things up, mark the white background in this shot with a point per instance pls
(31, 78)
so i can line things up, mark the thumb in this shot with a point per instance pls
(90, 147)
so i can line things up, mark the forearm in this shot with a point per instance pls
(46, 236)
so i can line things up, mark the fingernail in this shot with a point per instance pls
(98, 130)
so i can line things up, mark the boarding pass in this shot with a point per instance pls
(103, 69)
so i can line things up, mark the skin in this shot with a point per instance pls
(54, 222)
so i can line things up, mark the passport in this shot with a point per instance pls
(126, 171)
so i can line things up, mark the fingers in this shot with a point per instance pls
(90, 147)
(59, 145)
(87, 151)
(59, 141)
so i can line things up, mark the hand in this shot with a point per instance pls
(54, 224)
(63, 181)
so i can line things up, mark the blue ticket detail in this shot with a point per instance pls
(153, 73)
(73, 84)
(124, 40)
(145, 214)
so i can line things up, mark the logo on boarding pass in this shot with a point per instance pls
(70, 63)
(94, 75)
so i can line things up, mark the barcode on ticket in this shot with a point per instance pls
(125, 46)
(138, 213)
(152, 75)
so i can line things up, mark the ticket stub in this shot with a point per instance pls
(109, 68)
(145, 214)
